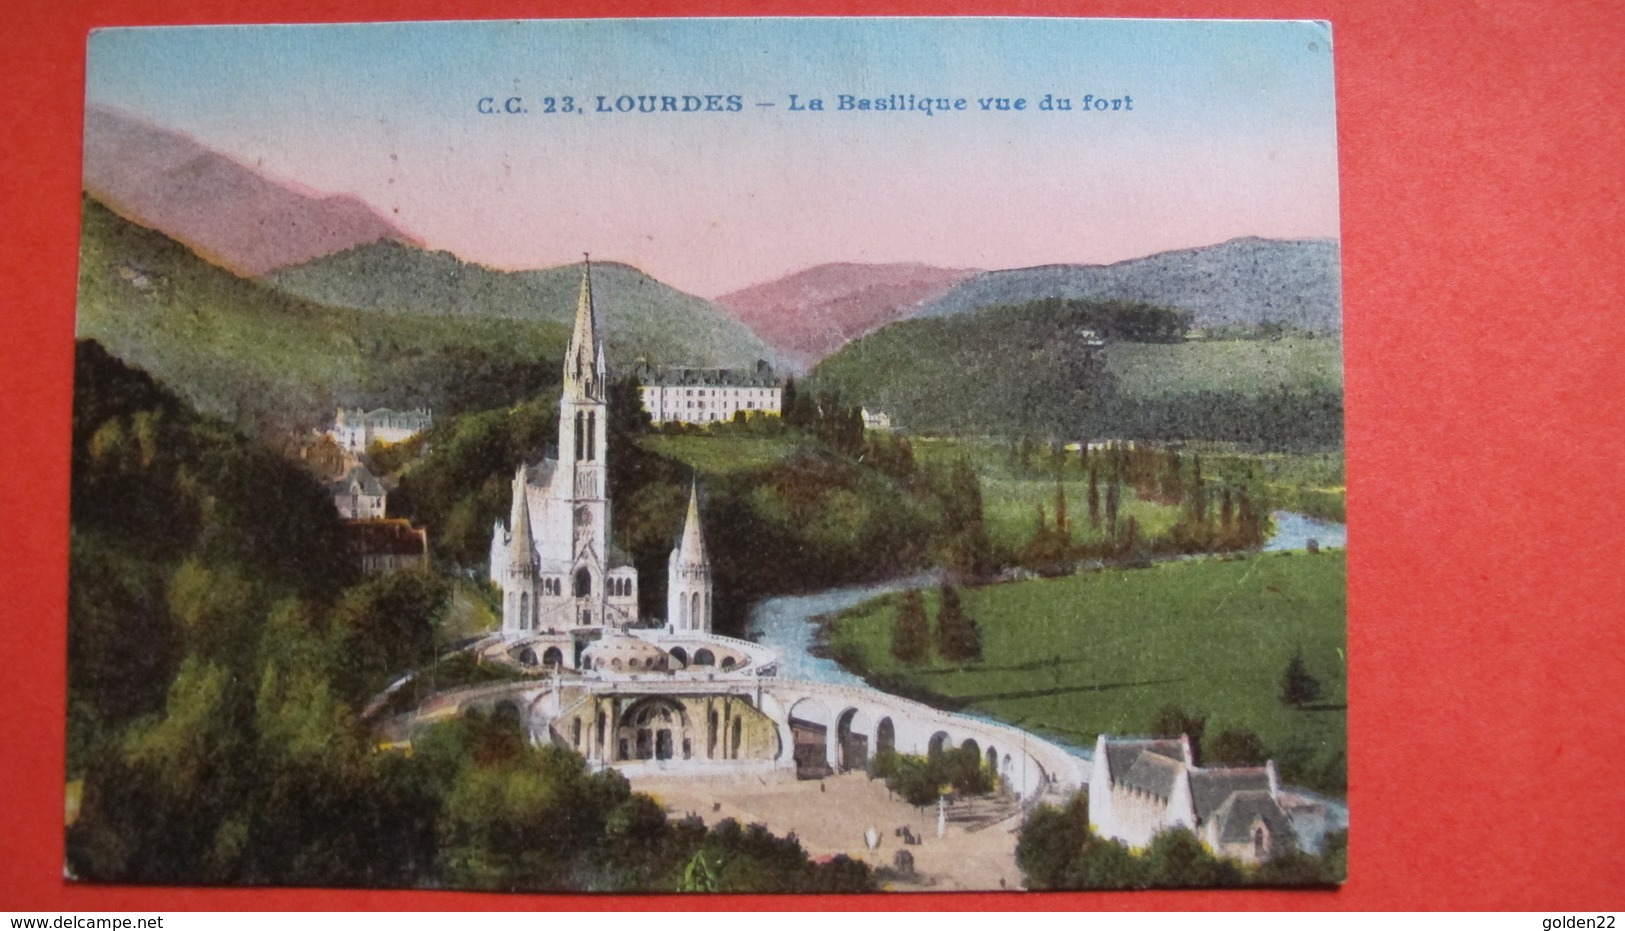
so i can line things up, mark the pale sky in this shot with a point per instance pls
(1231, 133)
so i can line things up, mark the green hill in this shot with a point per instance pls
(642, 317)
(246, 351)
(1032, 369)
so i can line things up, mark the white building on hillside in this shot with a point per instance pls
(700, 395)
(356, 429)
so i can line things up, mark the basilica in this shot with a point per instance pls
(565, 584)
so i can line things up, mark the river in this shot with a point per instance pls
(1294, 531)
(787, 624)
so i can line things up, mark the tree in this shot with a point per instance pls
(1114, 494)
(1177, 858)
(1298, 687)
(1060, 506)
(1094, 497)
(959, 640)
(910, 632)
(1171, 721)
(1248, 526)
(1051, 840)
(1236, 747)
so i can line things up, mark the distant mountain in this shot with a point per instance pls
(814, 312)
(1037, 369)
(228, 212)
(1243, 282)
(642, 317)
(268, 360)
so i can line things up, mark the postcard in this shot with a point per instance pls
(801, 455)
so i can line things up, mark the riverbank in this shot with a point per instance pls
(1104, 651)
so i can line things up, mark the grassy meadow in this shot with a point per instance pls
(1012, 494)
(1251, 366)
(720, 454)
(1102, 652)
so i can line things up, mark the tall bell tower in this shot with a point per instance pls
(583, 448)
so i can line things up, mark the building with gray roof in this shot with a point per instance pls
(1139, 788)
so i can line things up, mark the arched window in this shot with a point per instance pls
(524, 610)
(1260, 845)
(583, 582)
(580, 432)
(575, 733)
(699, 619)
(682, 605)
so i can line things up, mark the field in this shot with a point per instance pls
(1309, 483)
(1102, 652)
(1155, 370)
(721, 454)
(1011, 494)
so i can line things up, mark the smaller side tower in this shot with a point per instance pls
(519, 607)
(688, 575)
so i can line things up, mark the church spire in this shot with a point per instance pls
(584, 363)
(691, 551)
(520, 546)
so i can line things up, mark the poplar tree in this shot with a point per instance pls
(959, 640)
(1114, 492)
(1094, 497)
(1060, 507)
(910, 633)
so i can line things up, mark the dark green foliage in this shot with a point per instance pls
(164, 480)
(1106, 864)
(639, 318)
(965, 548)
(810, 521)
(1177, 859)
(959, 640)
(113, 602)
(1051, 839)
(1035, 369)
(1177, 722)
(386, 625)
(1114, 497)
(463, 485)
(1235, 747)
(920, 780)
(749, 859)
(1094, 496)
(219, 659)
(1298, 687)
(911, 632)
(1057, 850)
(272, 362)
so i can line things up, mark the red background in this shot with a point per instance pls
(1482, 166)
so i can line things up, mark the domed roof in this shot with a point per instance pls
(623, 653)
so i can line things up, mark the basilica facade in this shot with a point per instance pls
(565, 584)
